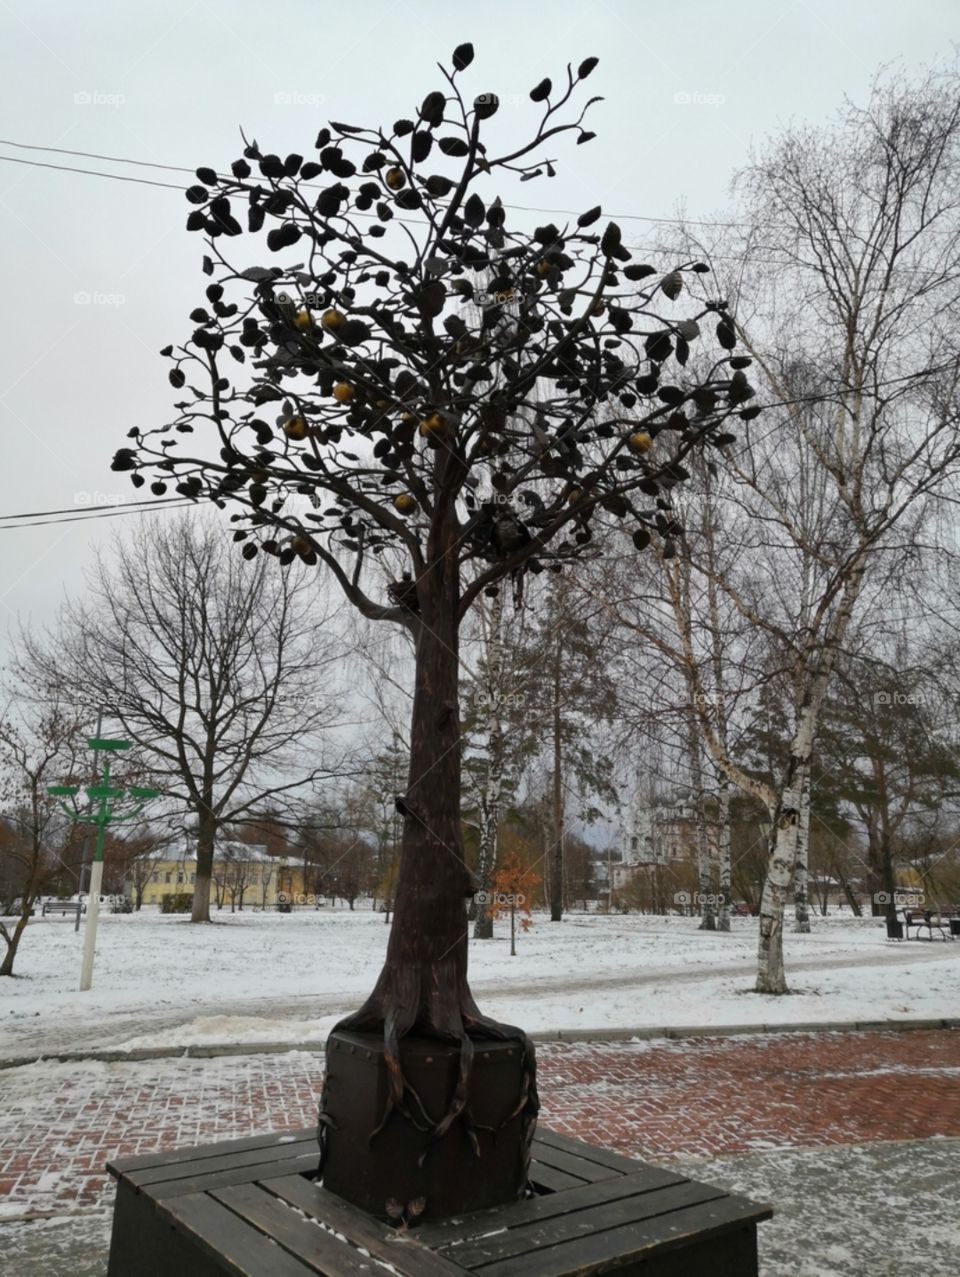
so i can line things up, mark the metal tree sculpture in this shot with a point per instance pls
(480, 401)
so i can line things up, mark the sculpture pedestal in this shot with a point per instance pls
(402, 1163)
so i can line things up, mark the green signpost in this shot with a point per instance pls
(105, 797)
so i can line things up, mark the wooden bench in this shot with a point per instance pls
(251, 1207)
(929, 918)
(61, 906)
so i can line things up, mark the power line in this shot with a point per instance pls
(65, 168)
(179, 168)
(175, 168)
(640, 248)
(93, 155)
(89, 516)
(111, 505)
(170, 186)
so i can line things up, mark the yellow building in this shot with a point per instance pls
(244, 876)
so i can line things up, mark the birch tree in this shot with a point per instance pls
(853, 328)
(854, 340)
(496, 737)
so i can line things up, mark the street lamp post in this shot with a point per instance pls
(104, 814)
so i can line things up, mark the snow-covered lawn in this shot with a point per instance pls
(288, 977)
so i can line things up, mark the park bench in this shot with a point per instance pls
(62, 907)
(930, 919)
(252, 1207)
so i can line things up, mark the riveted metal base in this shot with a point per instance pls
(404, 1163)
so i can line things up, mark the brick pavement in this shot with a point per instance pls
(705, 1097)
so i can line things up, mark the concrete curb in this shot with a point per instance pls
(215, 1050)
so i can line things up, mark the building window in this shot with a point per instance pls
(169, 877)
(180, 877)
(155, 877)
(193, 877)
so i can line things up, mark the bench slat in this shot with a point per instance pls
(631, 1242)
(553, 1180)
(204, 1182)
(572, 1164)
(598, 1221)
(589, 1152)
(196, 1152)
(362, 1229)
(251, 1158)
(464, 1228)
(237, 1248)
(317, 1249)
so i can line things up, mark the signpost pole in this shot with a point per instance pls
(104, 814)
(85, 854)
(96, 882)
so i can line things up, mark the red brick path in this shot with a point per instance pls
(706, 1096)
(715, 1096)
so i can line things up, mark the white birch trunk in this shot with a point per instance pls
(780, 865)
(704, 876)
(492, 793)
(723, 855)
(801, 874)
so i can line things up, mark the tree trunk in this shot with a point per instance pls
(206, 838)
(493, 779)
(847, 890)
(31, 889)
(704, 876)
(6, 966)
(423, 987)
(723, 854)
(801, 873)
(556, 858)
(486, 863)
(889, 881)
(780, 868)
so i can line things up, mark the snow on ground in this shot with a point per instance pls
(878, 1209)
(267, 977)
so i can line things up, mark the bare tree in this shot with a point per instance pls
(853, 330)
(569, 697)
(497, 736)
(39, 746)
(220, 671)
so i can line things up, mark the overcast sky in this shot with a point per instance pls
(99, 274)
